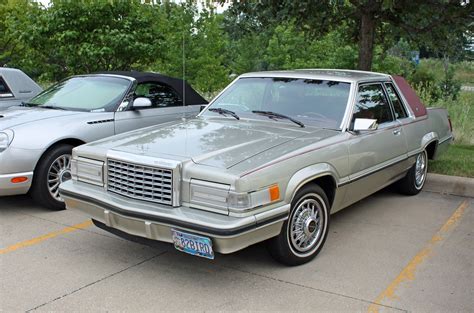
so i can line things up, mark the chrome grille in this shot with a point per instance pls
(140, 182)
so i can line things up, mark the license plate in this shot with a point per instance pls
(193, 244)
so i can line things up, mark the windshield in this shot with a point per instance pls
(84, 93)
(320, 103)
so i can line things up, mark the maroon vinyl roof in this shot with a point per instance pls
(410, 95)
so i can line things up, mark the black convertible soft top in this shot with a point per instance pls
(184, 90)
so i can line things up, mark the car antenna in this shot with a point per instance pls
(184, 74)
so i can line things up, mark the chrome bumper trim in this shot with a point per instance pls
(228, 234)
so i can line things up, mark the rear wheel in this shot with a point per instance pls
(304, 233)
(53, 169)
(415, 178)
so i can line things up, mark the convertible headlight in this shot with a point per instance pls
(219, 198)
(88, 171)
(6, 138)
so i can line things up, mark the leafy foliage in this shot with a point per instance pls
(440, 25)
(209, 49)
(71, 37)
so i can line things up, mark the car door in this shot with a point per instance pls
(166, 106)
(376, 157)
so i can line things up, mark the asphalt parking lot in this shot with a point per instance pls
(387, 253)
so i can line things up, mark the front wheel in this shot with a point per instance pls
(415, 178)
(303, 235)
(53, 169)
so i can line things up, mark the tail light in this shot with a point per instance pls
(450, 124)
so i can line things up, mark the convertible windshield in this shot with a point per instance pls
(320, 103)
(83, 93)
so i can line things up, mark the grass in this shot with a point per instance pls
(457, 161)
(465, 73)
(461, 112)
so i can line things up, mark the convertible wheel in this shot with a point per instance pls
(53, 169)
(303, 235)
(415, 178)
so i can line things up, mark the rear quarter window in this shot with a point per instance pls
(5, 92)
(396, 101)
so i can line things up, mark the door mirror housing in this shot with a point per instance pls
(365, 124)
(141, 103)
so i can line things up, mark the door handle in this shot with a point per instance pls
(397, 132)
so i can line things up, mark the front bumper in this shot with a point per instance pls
(152, 221)
(7, 188)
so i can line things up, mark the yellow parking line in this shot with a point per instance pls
(408, 273)
(39, 239)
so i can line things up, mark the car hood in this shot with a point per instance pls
(15, 116)
(219, 143)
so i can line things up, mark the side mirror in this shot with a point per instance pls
(141, 103)
(361, 124)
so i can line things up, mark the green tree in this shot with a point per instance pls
(13, 20)
(289, 48)
(195, 47)
(369, 22)
(73, 37)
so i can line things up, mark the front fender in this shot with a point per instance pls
(307, 174)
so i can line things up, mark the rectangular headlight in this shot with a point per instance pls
(209, 195)
(88, 171)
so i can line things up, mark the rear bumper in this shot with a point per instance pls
(152, 221)
(7, 188)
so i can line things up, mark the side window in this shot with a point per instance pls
(396, 101)
(159, 94)
(372, 103)
(4, 90)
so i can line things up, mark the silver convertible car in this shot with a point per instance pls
(36, 138)
(270, 158)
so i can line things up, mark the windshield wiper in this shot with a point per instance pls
(51, 107)
(26, 104)
(225, 112)
(274, 115)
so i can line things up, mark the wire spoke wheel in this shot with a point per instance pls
(58, 172)
(420, 169)
(303, 234)
(306, 224)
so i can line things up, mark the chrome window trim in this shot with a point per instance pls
(356, 91)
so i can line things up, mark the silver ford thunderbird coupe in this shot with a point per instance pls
(270, 158)
(37, 137)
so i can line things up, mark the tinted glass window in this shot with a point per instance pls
(396, 102)
(159, 95)
(4, 91)
(372, 103)
(317, 102)
(84, 93)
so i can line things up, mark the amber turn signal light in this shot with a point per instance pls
(274, 193)
(19, 179)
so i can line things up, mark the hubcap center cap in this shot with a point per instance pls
(310, 226)
(65, 176)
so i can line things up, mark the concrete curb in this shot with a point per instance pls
(452, 185)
